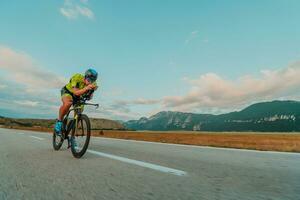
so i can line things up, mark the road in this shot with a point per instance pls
(120, 169)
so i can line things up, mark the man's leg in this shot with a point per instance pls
(64, 108)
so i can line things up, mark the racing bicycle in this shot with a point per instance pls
(76, 130)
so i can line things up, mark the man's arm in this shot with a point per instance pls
(79, 92)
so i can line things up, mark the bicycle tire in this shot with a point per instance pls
(79, 154)
(56, 146)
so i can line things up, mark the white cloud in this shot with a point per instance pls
(193, 35)
(113, 112)
(28, 83)
(113, 92)
(121, 109)
(3, 86)
(212, 91)
(116, 114)
(27, 103)
(84, 1)
(124, 104)
(73, 9)
(24, 70)
(142, 101)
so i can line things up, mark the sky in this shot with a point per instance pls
(199, 56)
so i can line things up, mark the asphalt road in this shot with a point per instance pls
(120, 169)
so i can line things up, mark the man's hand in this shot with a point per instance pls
(91, 87)
(79, 92)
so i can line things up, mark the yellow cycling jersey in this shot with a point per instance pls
(77, 81)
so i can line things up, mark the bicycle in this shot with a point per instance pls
(79, 126)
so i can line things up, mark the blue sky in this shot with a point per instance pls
(192, 56)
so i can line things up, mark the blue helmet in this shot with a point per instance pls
(91, 75)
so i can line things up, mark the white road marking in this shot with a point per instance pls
(36, 137)
(140, 163)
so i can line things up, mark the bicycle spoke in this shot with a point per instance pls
(80, 135)
(81, 122)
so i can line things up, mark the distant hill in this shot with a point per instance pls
(266, 116)
(49, 123)
(106, 124)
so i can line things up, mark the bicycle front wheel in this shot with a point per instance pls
(80, 138)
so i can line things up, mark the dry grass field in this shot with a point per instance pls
(259, 141)
(289, 142)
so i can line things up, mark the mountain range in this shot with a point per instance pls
(282, 116)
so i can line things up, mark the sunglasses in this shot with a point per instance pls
(91, 80)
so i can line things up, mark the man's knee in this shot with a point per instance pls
(67, 102)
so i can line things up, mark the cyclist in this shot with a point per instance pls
(78, 85)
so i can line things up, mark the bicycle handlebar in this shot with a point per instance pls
(92, 104)
(83, 99)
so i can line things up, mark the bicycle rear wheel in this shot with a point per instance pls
(80, 138)
(57, 141)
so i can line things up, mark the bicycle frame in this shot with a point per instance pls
(78, 109)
